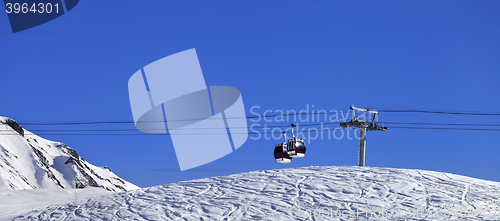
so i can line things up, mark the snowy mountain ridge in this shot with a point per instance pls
(28, 161)
(309, 193)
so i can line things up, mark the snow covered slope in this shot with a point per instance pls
(17, 202)
(28, 161)
(313, 193)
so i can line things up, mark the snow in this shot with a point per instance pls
(31, 162)
(38, 177)
(17, 202)
(311, 193)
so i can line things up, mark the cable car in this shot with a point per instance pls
(280, 153)
(296, 147)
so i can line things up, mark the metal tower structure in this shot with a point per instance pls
(363, 126)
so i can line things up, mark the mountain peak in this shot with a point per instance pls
(28, 161)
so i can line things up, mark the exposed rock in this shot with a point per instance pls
(14, 125)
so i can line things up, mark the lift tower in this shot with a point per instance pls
(363, 126)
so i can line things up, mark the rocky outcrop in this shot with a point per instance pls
(14, 125)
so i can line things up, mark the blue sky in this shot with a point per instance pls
(281, 55)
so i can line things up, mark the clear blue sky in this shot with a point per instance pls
(429, 55)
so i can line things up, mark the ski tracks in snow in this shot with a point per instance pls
(245, 210)
(298, 190)
(427, 197)
(228, 213)
(464, 195)
(191, 205)
(271, 195)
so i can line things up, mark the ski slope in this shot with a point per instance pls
(17, 202)
(312, 193)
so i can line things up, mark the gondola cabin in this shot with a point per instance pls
(280, 155)
(296, 147)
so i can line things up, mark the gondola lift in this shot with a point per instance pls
(296, 147)
(280, 152)
(291, 148)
